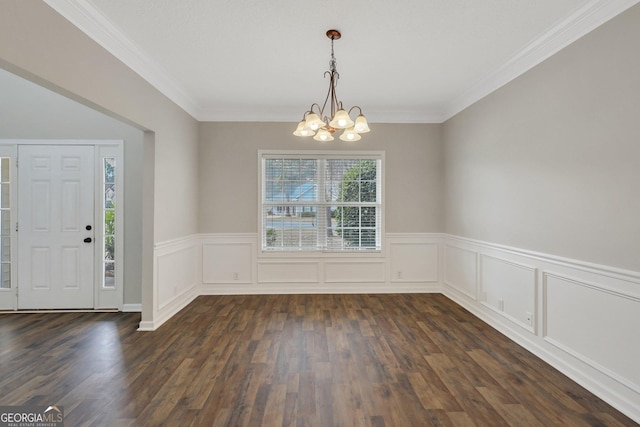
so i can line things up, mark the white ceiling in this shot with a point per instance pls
(401, 61)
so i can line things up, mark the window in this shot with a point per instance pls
(321, 202)
(5, 223)
(109, 223)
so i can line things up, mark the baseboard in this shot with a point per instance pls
(146, 326)
(175, 307)
(169, 311)
(132, 308)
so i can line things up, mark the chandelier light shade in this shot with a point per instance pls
(314, 122)
(350, 135)
(361, 125)
(323, 135)
(302, 130)
(323, 122)
(341, 120)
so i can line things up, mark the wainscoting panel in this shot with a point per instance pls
(509, 289)
(461, 270)
(229, 262)
(177, 273)
(413, 261)
(234, 264)
(576, 323)
(176, 278)
(291, 271)
(354, 272)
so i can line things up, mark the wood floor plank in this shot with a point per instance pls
(466, 394)
(428, 397)
(462, 419)
(513, 413)
(535, 395)
(275, 406)
(289, 360)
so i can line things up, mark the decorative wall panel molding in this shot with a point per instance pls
(461, 270)
(226, 257)
(354, 271)
(290, 271)
(177, 274)
(176, 279)
(509, 289)
(229, 262)
(575, 322)
(413, 261)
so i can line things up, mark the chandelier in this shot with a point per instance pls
(315, 122)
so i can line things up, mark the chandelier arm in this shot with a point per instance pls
(329, 94)
(319, 112)
(309, 111)
(335, 104)
(355, 106)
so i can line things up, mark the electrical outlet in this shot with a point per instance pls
(529, 318)
(501, 304)
(235, 276)
(399, 275)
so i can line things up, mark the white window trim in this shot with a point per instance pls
(297, 154)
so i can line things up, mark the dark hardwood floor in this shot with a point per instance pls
(294, 360)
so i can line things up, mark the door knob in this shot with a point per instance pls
(87, 240)
(88, 227)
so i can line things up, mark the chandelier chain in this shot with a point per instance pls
(332, 63)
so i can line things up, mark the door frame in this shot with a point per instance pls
(103, 298)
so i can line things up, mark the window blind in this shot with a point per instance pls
(321, 203)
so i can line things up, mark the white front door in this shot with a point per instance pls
(55, 227)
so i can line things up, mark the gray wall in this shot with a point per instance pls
(229, 172)
(551, 161)
(29, 111)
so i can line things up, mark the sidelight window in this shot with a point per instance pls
(109, 222)
(5, 223)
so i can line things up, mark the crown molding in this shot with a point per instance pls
(582, 21)
(425, 115)
(94, 24)
(282, 114)
(255, 114)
